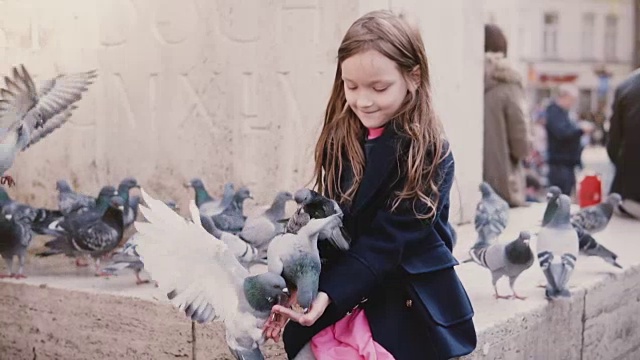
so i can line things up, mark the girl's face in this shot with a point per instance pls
(374, 87)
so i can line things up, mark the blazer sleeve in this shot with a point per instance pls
(517, 130)
(615, 129)
(559, 126)
(379, 251)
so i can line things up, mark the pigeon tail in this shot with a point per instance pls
(46, 221)
(59, 245)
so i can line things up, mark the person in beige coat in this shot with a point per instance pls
(507, 141)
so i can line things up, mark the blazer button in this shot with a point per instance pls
(409, 303)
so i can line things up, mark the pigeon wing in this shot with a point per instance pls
(198, 273)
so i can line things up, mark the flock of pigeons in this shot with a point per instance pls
(562, 237)
(204, 268)
(203, 263)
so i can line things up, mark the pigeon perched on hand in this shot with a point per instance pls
(596, 217)
(204, 279)
(28, 114)
(492, 216)
(508, 260)
(557, 248)
(296, 257)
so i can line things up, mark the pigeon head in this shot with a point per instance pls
(519, 251)
(265, 290)
(129, 183)
(228, 188)
(116, 202)
(302, 195)
(194, 183)
(524, 237)
(283, 197)
(23, 214)
(242, 194)
(561, 214)
(553, 193)
(614, 199)
(107, 192)
(485, 189)
(63, 186)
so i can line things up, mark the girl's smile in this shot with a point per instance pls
(374, 87)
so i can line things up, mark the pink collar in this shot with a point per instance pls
(375, 132)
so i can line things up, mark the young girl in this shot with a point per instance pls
(383, 156)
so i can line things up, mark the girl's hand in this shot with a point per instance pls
(273, 327)
(318, 306)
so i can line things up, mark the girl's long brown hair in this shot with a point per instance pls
(340, 138)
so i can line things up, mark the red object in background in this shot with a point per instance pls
(590, 191)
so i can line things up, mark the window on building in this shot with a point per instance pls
(550, 35)
(588, 31)
(610, 37)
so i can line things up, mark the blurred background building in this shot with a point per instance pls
(591, 43)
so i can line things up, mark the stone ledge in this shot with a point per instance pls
(70, 314)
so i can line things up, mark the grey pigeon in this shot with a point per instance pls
(260, 229)
(596, 217)
(590, 247)
(130, 203)
(207, 205)
(15, 237)
(70, 201)
(557, 249)
(508, 260)
(243, 251)
(28, 114)
(126, 258)
(202, 277)
(297, 259)
(40, 219)
(586, 243)
(492, 216)
(92, 233)
(100, 206)
(232, 219)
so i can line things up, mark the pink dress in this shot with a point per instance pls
(349, 338)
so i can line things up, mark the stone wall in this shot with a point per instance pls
(224, 90)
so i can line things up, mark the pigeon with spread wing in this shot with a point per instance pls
(28, 114)
(203, 278)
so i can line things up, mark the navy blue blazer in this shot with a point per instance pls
(399, 268)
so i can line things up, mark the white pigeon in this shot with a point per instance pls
(557, 248)
(28, 114)
(202, 277)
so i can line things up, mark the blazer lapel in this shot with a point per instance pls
(382, 158)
